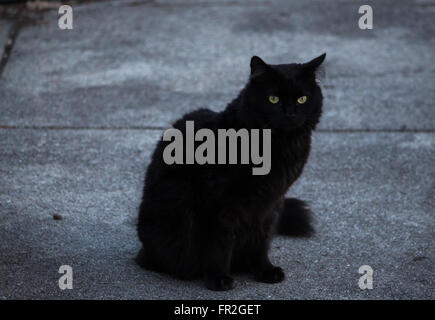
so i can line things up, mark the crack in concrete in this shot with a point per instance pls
(115, 128)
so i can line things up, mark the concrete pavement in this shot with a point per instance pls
(81, 110)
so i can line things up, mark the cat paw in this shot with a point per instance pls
(219, 283)
(272, 275)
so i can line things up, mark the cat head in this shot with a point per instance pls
(285, 96)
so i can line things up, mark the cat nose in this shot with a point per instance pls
(290, 112)
(290, 115)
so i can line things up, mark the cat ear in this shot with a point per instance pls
(313, 65)
(258, 66)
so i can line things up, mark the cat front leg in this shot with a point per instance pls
(217, 254)
(264, 270)
(257, 251)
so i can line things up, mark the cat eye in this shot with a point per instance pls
(273, 99)
(302, 99)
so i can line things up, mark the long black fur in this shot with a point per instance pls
(210, 220)
(295, 219)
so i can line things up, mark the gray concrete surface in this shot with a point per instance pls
(373, 206)
(161, 60)
(81, 110)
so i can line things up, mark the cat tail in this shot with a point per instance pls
(295, 219)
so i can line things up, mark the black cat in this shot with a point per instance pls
(210, 220)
